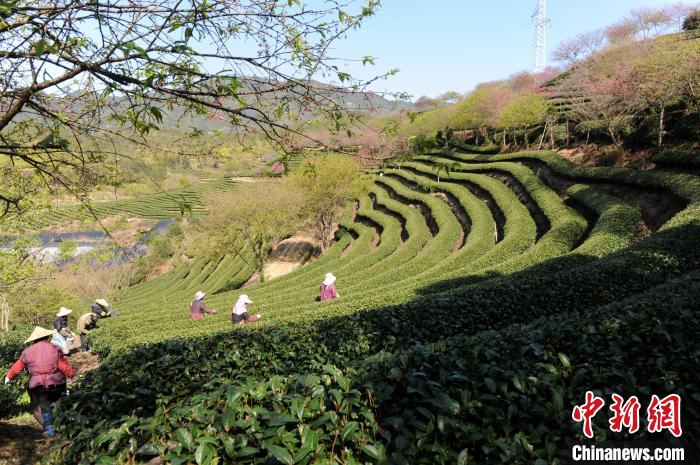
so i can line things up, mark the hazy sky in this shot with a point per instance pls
(444, 45)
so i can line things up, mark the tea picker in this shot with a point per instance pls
(239, 312)
(198, 309)
(48, 369)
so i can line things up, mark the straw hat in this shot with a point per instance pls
(330, 279)
(64, 311)
(245, 299)
(102, 302)
(39, 333)
(199, 295)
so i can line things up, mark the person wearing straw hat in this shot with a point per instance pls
(197, 308)
(63, 337)
(48, 369)
(60, 324)
(86, 323)
(101, 308)
(239, 313)
(328, 290)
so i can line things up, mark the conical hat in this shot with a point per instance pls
(64, 311)
(102, 302)
(330, 279)
(39, 333)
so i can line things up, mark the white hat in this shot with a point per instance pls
(245, 299)
(199, 295)
(64, 311)
(39, 333)
(102, 302)
(330, 279)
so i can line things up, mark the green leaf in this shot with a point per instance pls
(372, 451)
(565, 361)
(491, 384)
(40, 46)
(349, 430)
(463, 457)
(156, 114)
(204, 453)
(280, 453)
(246, 451)
(184, 437)
(279, 419)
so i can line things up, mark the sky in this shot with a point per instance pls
(441, 45)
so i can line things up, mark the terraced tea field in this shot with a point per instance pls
(481, 296)
(156, 206)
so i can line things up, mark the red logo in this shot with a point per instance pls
(625, 414)
(665, 414)
(662, 414)
(587, 411)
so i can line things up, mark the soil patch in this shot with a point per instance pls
(289, 255)
(22, 441)
(82, 362)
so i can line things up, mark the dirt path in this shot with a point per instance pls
(22, 440)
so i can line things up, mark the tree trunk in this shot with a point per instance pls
(660, 140)
(504, 138)
(551, 135)
(544, 133)
(568, 134)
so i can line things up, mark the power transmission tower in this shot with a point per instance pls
(540, 49)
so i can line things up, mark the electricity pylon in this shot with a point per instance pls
(540, 49)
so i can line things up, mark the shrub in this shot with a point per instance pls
(692, 22)
(38, 305)
(421, 144)
(161, 248)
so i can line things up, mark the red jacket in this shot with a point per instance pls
(45, 363)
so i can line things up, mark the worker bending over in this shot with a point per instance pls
(101, 308)
(86, 323)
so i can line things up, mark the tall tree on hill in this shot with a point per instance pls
(572, 50)
(665, 75)
(524, 113)
(651, 22)
(604, 100)
(328, 183)
(677, 13)
(252, 220)
(75, 76)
